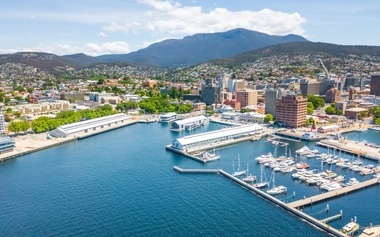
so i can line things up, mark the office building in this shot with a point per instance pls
(332, 95)
(246, 97)
(375, 85)
(291, 111)
(310, 87)
(271, 96)
(211, 94)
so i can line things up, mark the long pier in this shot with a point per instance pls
(332, 194)
(285, 206)
(196, 171)
(353, 148)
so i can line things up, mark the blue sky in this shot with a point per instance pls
(98, 27)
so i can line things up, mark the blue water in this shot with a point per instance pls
(122, 183)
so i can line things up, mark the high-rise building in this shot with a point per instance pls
(2, 124)
(211, 94)
(375, 85)
(271, 96)
(310, 87)
(291, 111)
(246, 97)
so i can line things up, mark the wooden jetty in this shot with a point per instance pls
(196, 171)
(332, 194)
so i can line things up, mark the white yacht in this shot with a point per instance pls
(238, 172)
(276, 190)
(352, 181)
(250, 178)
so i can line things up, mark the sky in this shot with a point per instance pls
(98, 27)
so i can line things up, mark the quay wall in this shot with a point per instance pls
(283, 205)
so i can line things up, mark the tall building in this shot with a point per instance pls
(246, 97)
(211, 94)
(291, 110)
(2, 124)
(271, 96)
(375, 85)
(310, 87)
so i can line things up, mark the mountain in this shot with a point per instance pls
(48, 61)
(200, 48)
(325, 49)
(82, 59)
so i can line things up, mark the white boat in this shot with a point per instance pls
(303, 151)
(361, 130)
(250, 178)
(376, 128)
(210, 156)
(276, 190)
(352, 181)
(350, 229)
(331, 186)
(339, 178)
(263, 181)
(238, 172)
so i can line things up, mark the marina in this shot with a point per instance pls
(324, 196)
(297, 190)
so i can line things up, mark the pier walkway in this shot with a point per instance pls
(351, 147)
(332, 194)
(196, 171)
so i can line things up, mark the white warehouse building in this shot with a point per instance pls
(83, 127)
(216, 136)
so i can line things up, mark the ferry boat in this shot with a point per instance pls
(188, 124)
(168, 117)
(350, 229)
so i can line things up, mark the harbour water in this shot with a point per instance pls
(122, 183)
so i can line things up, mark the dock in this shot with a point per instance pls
(285, 206)
(332, 194)
(353, 148)
(332, 218)
(196, 171)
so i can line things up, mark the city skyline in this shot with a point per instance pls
(112, 27)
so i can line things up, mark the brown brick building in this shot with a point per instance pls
(332, 95)
(291, 110)
(246, 97)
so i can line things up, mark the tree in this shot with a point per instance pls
(330, 110)
(30, 90)
(317, 102)
(268, 117)
(310, 108)
(339, 112)
(363, 114)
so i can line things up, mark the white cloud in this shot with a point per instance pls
(102, 34)
(92, 49)
(173, 18)
(126, 26)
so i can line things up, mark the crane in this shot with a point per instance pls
(341, 80)
(327, 71)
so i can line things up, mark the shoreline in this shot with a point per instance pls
(29, 143)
